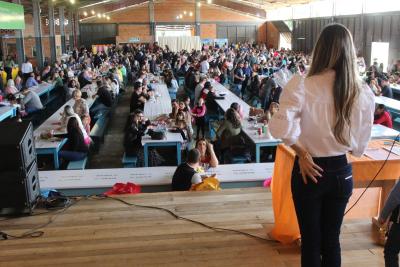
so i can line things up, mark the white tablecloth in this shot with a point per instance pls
(159, 105)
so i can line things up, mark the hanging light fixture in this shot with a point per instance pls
(199, 4)
(99, 15)
(191, 13)
(85, 13)
(184, 12)
(93, 13)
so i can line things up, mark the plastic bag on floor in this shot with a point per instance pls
(121, 188)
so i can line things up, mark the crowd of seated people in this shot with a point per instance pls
(248, 70)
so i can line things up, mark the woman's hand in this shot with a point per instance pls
(308, 169)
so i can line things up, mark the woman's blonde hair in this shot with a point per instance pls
(335, 50)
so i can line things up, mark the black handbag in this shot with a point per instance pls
(156, 135)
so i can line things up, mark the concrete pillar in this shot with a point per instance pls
(37, 25)
(19, 39)
(71, 29)
(61, 11)
(197, 17)
(152, 20)
(77, 30)
(53, 55)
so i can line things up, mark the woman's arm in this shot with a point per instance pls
(213, 158)
(307, 166)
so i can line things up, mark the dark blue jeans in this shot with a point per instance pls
(392, 246)
(320, 209)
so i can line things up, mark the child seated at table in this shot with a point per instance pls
(181, 126)
(207, 154)
(392, 209)
(185, 175)
(382, 116)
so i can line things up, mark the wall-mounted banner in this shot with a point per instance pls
(134, 40)
(11, 16)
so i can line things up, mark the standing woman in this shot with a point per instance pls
(322, 117)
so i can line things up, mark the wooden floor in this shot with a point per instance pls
(107, 233)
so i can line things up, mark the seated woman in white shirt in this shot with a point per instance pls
(322, 117)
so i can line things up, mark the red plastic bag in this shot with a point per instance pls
(120, 188)
(267, 182)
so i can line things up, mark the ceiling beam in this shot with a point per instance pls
(242, 7)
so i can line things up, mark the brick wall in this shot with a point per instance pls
(128, 31)
(208, 31)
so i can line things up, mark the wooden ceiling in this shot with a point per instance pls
(252, 7)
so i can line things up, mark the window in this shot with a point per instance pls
(284, 13)
(374, 6)
(301, 11)
(380, 54)
(322, 8)
(346, 7)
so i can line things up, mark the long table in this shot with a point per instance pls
(7, 112)
(156, 177)
(391, 104)
(161, 104)
(383, 132)
(396, 90)
(265, 140)
(286, 229)
(153, 108)
(52, 146)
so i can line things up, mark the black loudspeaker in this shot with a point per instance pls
(19, 179)
(17, 146)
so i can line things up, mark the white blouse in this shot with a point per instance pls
(306, 116)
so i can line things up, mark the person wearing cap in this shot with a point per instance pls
(386, 90)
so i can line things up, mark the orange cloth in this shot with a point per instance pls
(286, 229)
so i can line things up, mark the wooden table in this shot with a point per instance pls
(53, 146)
(82, 182)
(391, 104)
(396, 90)
(382, 132)
(264, 140)
(108, 233)
(160, 105)
(7, 112)
(364, 170)
(171, 139)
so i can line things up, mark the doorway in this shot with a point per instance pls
(380, 54)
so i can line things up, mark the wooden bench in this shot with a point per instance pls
(77, 165)
(98, 130)
(129, 161)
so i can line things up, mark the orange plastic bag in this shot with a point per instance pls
(120, 188)
(210, 183)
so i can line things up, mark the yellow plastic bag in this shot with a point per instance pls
(210, 183)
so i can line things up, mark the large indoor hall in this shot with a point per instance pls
(200, 133)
